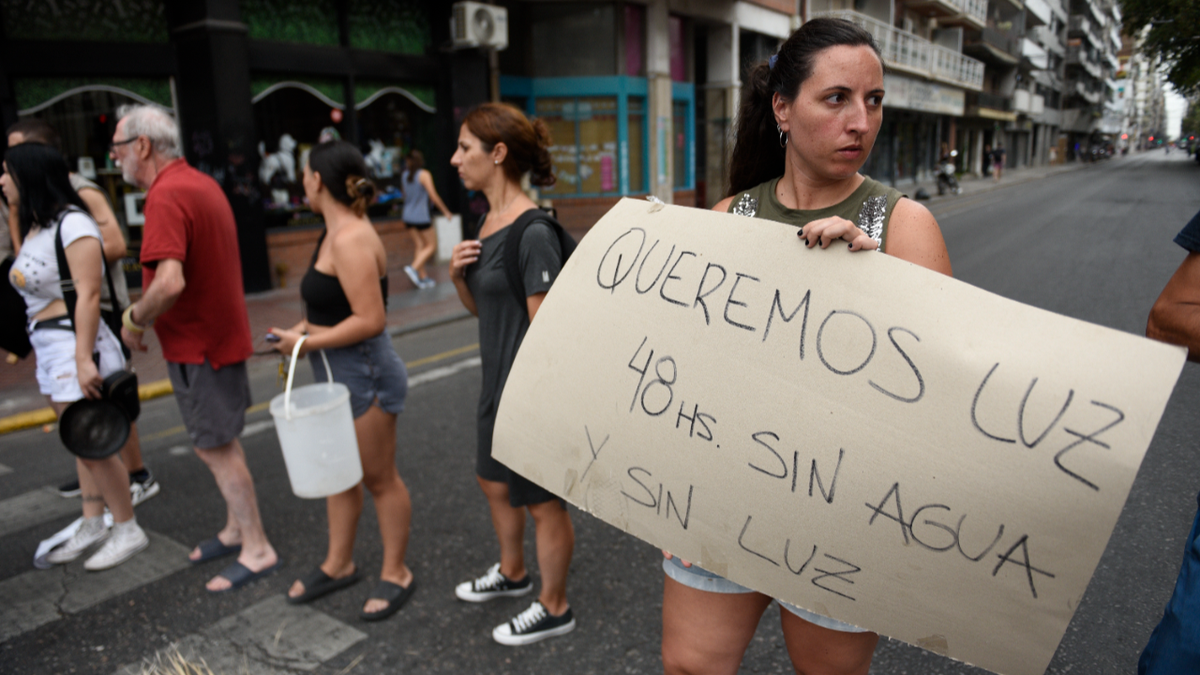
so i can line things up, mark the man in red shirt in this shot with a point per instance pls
(193, 296)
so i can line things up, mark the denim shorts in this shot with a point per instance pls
(370, 369)
(703, 580)
(1174, 646)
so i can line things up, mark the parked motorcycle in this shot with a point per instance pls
(946, 180)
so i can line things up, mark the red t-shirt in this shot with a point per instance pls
(188, 218)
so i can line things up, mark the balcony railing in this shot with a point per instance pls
(909, 52)
(1077, 55)
(1081, 25)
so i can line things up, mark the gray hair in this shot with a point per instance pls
(154, 123)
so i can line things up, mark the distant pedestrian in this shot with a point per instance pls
(997, 161)
(34, 130)
(193, 296)
(345, 301)
(75, 350)
(417, 185)
(988, 158)
(497, 145)
(1174, 646)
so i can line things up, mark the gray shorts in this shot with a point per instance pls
(370, 369)
(213, 402)
(703, 580)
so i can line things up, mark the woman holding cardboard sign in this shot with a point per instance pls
(807, 122)
(497, 145)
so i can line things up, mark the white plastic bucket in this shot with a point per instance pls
(316, 431)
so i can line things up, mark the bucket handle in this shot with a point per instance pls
(287, 392)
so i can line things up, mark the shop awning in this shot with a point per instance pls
(37, 94)
(330, 92)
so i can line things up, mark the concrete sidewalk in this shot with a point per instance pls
(409, 308)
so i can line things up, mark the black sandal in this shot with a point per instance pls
(318, 584)
(394, 594)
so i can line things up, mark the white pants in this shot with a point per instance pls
(55, 352)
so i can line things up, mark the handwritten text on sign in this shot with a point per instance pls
(861, 437)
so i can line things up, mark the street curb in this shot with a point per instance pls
(152, 390)
(36, 418)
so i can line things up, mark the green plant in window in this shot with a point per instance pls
(91, 20)
(306, 21)
(400, 26)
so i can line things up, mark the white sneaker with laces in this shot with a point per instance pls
(412, 275)
(127, 539)
(492, 585)
(92, 531)
(533, 625)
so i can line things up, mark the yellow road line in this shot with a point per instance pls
(151, 390)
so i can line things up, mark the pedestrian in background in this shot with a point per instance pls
(33, 130)
(988, 159)
(998, 160)
(75, 350)
(417, 185)
(1174, 646)
(193, 296)
(497, 145)
(345, 300)
(808, 119)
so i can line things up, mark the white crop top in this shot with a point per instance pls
(35, 271)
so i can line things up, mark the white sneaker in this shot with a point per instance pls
(427, 283)
(127, 539)
(533, 625)
(91, 532)
(412, 275)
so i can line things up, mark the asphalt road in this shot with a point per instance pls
(1094, 244)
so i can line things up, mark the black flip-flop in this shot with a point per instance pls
(239, 575)
(318, 584)
(211, 549)
(394, 594)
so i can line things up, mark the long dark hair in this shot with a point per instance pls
(528, 142)
(757, 154)
(344, 173)
(43, 182)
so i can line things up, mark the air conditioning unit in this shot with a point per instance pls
(474, 24)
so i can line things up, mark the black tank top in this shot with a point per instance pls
(325, 302)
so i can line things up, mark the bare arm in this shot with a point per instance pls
(358, 274)
(83, 256)
(14, 226)
(102, 213)
(426, 180)
(1175, 317)
(465, 253)
(914, 235)
(166, 288)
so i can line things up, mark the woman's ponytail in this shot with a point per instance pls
(757, 154)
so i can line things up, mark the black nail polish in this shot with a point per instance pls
(849, 245)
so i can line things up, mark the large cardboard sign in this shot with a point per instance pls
(849, 432)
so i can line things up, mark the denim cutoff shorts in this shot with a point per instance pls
(372, 371)
(703, 580)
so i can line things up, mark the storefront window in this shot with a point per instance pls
(637, 143)
(635, 40)
(682, 144)
(584, 132)
(393, 125)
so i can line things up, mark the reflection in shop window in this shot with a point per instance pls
(636, 120)
(584, 152)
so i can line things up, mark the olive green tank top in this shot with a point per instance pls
(869, 207)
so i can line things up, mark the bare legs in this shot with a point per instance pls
(707, 634)
(555, 542)
(243, 523)
(102, 482)
(376, 433)
(424, 245)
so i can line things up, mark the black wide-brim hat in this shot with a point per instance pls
(93, 429)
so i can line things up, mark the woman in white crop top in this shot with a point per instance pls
(74, 353)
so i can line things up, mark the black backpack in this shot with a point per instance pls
(512, 248)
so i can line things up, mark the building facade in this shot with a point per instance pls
(253, 83)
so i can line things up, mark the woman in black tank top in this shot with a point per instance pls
(807, 121)
(345, 291)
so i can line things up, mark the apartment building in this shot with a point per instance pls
(1092, 109)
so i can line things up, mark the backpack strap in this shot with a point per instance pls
(512, 248)
(67, 282)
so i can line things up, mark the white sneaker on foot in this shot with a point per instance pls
(127, 539)
(412, 275)
(91, 532)
(533, 625)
